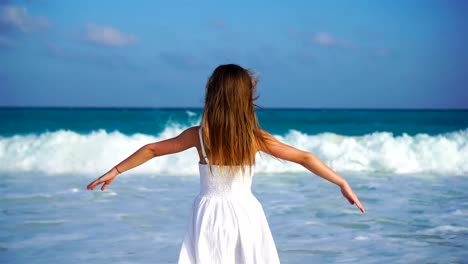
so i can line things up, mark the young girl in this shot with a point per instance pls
(228, 224)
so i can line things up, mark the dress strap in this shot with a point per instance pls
(201, 144)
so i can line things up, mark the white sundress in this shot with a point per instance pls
(227, 225)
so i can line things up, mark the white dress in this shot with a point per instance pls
(227, 225)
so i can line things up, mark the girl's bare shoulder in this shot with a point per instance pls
(267, 137)
(190, 133)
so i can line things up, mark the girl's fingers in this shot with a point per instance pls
(359, 205)
(106, 183)
(352, 199)
(104, 186)
(103, 179)
(92, 185)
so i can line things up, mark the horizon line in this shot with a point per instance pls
(201, 108)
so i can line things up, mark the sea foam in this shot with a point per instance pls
(67, 152)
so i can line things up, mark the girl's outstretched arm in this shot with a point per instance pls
(185, 140)
(283, 151)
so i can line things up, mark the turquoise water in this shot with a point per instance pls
(409, 169)
(153, 121)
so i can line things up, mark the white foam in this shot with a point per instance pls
(460, 212)
(444, 229)
(445, 154)
(361, 238)
(191, 113)
(67, 152)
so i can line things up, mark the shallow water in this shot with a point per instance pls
(142, 219)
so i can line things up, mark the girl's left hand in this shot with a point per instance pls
(351, 197)
(107, 179)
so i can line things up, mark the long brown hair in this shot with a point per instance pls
(231, 132)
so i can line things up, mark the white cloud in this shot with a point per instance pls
(327, 39)
(18, 19)
(108, 36)
(324, 39)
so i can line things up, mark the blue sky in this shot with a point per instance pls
(313, 54)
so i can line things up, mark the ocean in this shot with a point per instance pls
(408, 167)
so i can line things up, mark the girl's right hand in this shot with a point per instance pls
(351, 196)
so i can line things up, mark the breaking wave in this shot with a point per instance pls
(68, 152)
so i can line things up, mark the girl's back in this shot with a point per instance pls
(227, 223)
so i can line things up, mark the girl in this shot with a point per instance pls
(228, 224)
